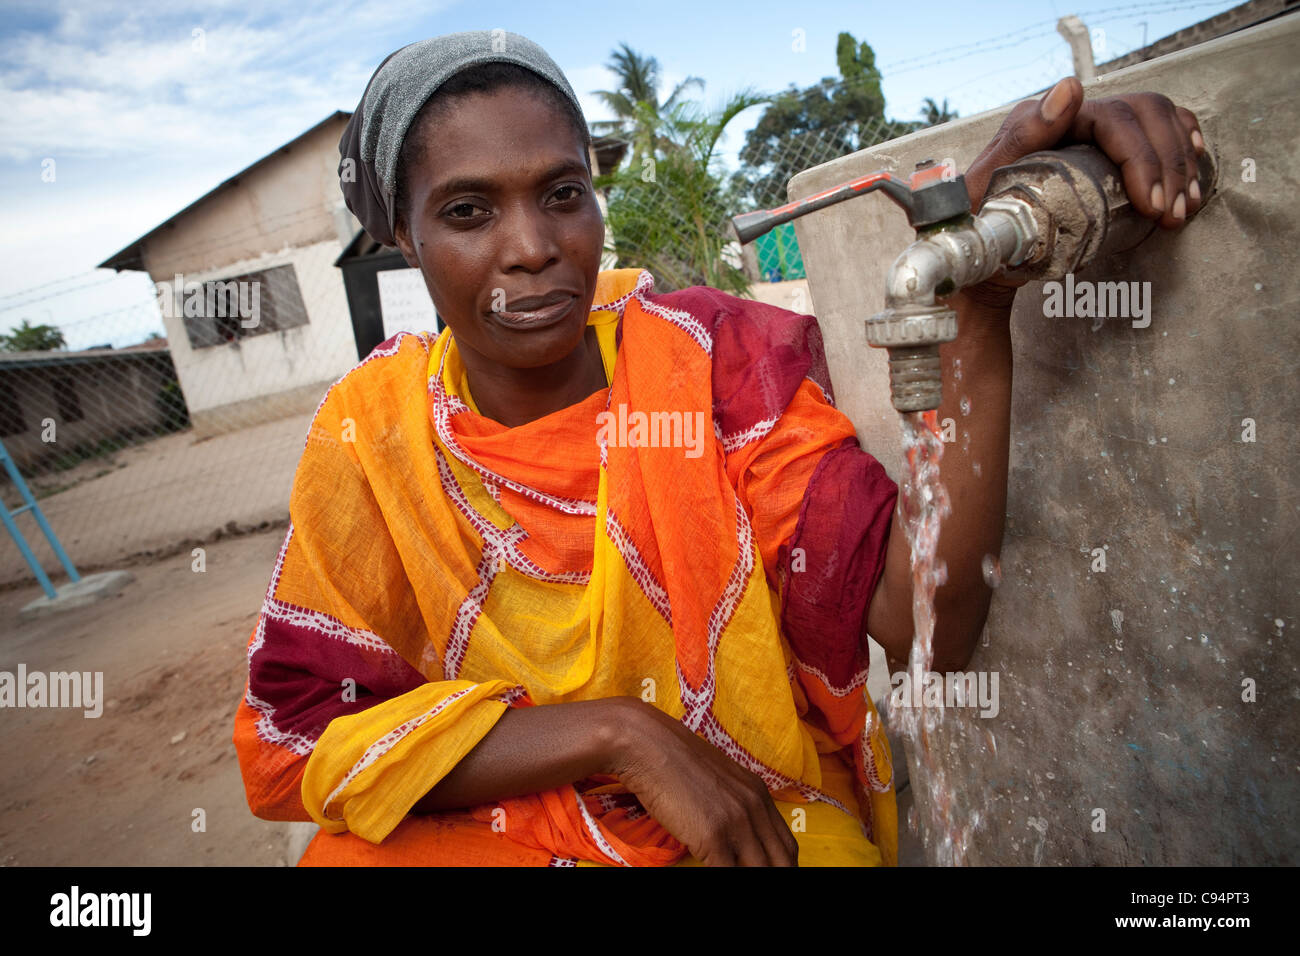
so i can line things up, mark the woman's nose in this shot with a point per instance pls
(529, 240)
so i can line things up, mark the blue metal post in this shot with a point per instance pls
(12, 527)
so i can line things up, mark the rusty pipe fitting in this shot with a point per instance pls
(1080, 206)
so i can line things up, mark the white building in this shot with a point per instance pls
(275, 230)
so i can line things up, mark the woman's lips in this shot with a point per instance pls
(537, 318)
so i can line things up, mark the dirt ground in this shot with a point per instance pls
(116, 790)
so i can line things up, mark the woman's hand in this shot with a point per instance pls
(721, 811)
(1153, 142)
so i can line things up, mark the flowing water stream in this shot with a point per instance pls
(925, 505)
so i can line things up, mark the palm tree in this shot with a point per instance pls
(933, 114)
(636, 104)
(676, 223)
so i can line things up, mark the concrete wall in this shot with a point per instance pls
(1123, 691)
(114, 395)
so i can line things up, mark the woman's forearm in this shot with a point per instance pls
(532, 749)
(974, 472)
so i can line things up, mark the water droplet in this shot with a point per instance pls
(992, 570)
(965, 405)
(956, 370)
(1278, 622)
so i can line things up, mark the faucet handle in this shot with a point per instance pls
(929, 196)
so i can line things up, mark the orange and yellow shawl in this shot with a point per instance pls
(440, 567)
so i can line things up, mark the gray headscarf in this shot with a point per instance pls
(401, 85)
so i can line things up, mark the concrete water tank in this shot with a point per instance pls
(1148, 713)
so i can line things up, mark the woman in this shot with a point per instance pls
(588, 577)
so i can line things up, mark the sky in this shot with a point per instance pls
(117, 115)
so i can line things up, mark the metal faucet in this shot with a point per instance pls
(1044, 216)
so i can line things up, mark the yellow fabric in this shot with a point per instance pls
(390, 755)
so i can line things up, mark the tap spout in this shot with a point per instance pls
(941, 263)
(913, 324)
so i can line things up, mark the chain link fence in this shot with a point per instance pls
(194, 432)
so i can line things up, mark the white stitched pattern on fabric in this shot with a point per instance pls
(637, 567)
(874, 776)
(388, 742)
(325, 625)
(738, 440)
(321, 623)
(503, 543)
(644, 281)
(678, 317)
(859, 679)
(265, 728)
(508, 697)
(830, 400)
(260, 633)
(292, 741)
(699, 702)
(594, 829)
(468, 614)
(717, 735)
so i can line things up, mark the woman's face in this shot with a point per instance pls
(502, 211)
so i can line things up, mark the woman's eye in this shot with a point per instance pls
(452, 212)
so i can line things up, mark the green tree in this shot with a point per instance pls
(859, 95)
(672, 215)
(804, 128)
(635, 103)
(32, 338)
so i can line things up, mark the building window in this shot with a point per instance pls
(242, 306)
